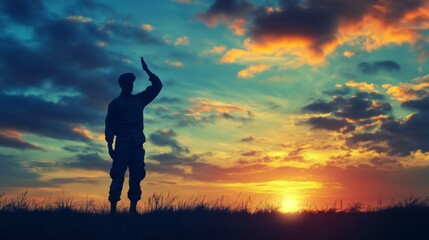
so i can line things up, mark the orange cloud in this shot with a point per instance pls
(408, 91)
(348, 54)
(369, 33)
(363, 86)
(252, 70)
(238, 26)
(86, 133)
(182, 41)
(215, 50)
(147, 27)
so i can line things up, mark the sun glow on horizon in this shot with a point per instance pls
(289, 204)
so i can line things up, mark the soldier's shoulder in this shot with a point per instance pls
(114, 101)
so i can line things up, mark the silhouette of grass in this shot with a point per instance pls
(168, 217)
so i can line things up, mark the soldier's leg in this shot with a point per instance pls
(117, 173)
(137, 174)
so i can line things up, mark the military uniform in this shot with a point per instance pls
(125, 121)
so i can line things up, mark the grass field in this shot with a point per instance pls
(167, 218)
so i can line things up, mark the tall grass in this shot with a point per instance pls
(158, 202)
(166, 216)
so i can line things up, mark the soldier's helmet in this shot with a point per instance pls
(126, 78)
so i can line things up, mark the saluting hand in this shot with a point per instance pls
(144, 65)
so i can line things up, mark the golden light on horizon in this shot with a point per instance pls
(290, 204)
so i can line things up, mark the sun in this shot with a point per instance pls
(289, 204)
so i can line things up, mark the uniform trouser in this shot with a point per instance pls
(133, 158)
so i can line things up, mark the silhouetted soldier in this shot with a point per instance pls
(125, 121)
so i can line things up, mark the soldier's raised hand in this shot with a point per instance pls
(144, 65)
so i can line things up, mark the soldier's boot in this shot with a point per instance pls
(133, 208)
(113, 208)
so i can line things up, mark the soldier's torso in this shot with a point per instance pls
(129, 129)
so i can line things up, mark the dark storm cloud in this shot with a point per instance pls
(331, 124)
(417, 104)
(377, 66)
(357, 107)
(55, 120)
(17, 143)
(400, 136)
(167, 138)
(91, 161)
(378, 131)
(315, 23)
(315, 20)
(23, 11)
(228, 9)
(321, 106)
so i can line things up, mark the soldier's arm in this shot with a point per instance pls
(153, 90)
(109, 131)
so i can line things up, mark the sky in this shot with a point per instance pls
(307, 102)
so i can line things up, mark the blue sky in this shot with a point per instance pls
(314, 100)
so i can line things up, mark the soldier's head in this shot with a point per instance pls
(126, 82)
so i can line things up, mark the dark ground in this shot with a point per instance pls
(391, 223)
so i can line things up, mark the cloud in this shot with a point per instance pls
(349, 54)
(147, 27)
(62, 181)
(331, 124)
(24, 11)
(129, 32)
(79, 19)
(362, 86)
(224, 10)
(176, 64)
(252, 70)
(215, 50)
(167, 100)
(363, 105)
(421, 104)
(308, 31)
(251, 153)
(366, 121)
(402, 92)
(182, 41)
(255, 139)
(13, 174)
(205, 111)
(13, 139)
(91, 161)
(167, 138)
(377, 66)
(57, 121)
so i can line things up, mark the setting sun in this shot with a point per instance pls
(289, 205)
